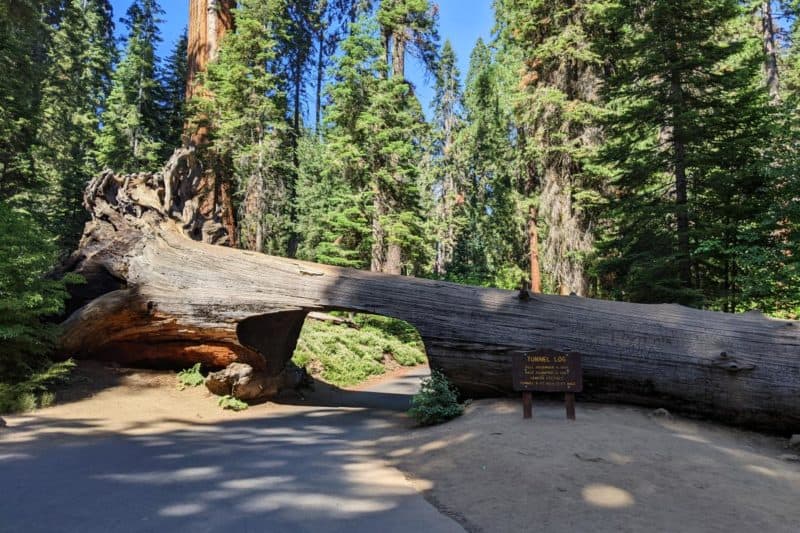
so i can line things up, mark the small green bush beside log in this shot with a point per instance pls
(436, 401)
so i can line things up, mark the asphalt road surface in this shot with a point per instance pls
(310, 469)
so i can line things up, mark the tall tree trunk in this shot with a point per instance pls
(209, 21)
(394, 253)
(378, 262)
(533, 245)
(681, 182)
(399, 54)
(770, 51)
(291, 182)
(212, 44)
(320, 76)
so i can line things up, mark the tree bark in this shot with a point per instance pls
(681, 182)
(155, 295)
(533, 245)
(209, 21)
(770, 51)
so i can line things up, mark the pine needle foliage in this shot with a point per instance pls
(27, 297)
(131, 138)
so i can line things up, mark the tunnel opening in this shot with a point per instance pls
(346, 349)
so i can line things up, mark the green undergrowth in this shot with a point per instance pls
(345, 355)
(231, 403)
(190, 377)
(36, 390)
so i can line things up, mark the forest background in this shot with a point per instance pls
(637, 150)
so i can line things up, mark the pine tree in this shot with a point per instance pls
(27, 252)
(346, 223)
(488, 251)
(332, 217)
(250, 131)
(27, 298)
(131, 139)
(173, 79)
(396, 202)
(374, 131)
(686, 138)
(447, 183)
(23, 41)
(79, 62)
(408, 26)
(331, 23)
(549, 41)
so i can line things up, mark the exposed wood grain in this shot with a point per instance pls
(193, 301)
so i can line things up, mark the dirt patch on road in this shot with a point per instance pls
(615, 469)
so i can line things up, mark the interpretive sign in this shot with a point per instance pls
(547, 371)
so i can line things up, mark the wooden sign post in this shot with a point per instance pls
(547, 371)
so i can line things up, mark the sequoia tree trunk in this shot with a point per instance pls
(153, 293)
(209, 21)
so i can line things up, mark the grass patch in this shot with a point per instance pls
(345, 356)
(34, 392)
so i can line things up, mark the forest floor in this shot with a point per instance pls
(128, 443)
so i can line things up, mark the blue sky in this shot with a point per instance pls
(461, 21)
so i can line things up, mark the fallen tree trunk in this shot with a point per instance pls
(154, 294)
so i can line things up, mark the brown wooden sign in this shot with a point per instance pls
(547, 371)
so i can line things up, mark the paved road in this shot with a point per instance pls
(311, 470)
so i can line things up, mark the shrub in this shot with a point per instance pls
(27, 297)
(34, 391)
(190, 377)
(436, 401)
(229, 402)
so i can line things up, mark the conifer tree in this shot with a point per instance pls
(447, 183)
(332, 20)
(686, 138)
(23, 41)
(173, 79)
(79, 61)
(332, 216)
(131, 138)
(549, 42)
(405, 26)
(250, 132)
(488, 250)
(374, 131)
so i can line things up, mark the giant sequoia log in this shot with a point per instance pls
(155, 293)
